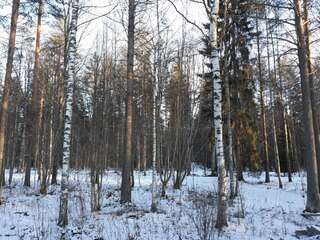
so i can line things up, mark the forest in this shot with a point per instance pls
(160, 119)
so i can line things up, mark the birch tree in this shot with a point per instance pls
(69, 82)
(217, 109)
(155, 108)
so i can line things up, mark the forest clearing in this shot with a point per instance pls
(263, 211)
(160, 119)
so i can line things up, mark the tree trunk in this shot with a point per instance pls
(33, 111)
(233, 192)
(126, 167)
(313, 197)
(213, 159)
(315, 116)
(63, 211)
(7, 87)
(155, 111)
(272, 100)
(262, 109)
(218, 126)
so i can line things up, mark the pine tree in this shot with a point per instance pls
(127, 163)
(7, 87)
(313, 196)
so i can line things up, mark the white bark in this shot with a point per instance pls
(63, 212)
(155, 108)
(154, 158)
(217, 108)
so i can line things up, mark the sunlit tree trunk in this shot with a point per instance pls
(315, 115)
(7, 86)
(313, 196)
(33, 110)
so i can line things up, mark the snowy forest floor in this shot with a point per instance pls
(263, 211)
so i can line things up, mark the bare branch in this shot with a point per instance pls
(185, 18)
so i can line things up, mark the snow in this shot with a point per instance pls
(269, 212)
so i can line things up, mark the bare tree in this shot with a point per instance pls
(217, 102)
(7, 86)
(313, 196)
(127, 162)
(72, 48)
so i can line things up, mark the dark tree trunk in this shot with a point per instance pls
(33, 111)
(262, 108)
(127, 162)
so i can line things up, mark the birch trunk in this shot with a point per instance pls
(155, 109)
(217, 109)
(63, 211)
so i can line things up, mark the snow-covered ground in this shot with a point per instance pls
(261, 212)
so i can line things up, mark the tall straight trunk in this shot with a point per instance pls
(95, 146)
(283, 109)
(273, 90)
(14, 136)
(155, 111)
(272, 100)
(313, 196)
(45, 147)
(292, 145)
(274, 136)
(315, 115)
(285, 124)
(145, 146)
(72, 48)
(233, 192)
(20, 166)
(7, 86)
(213, 159)
(33, 111)
(286, 133)
(58, 129)
(231, 158)
(218, 126)
(126, 167)
(262, 109)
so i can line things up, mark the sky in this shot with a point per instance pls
(115, 20)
